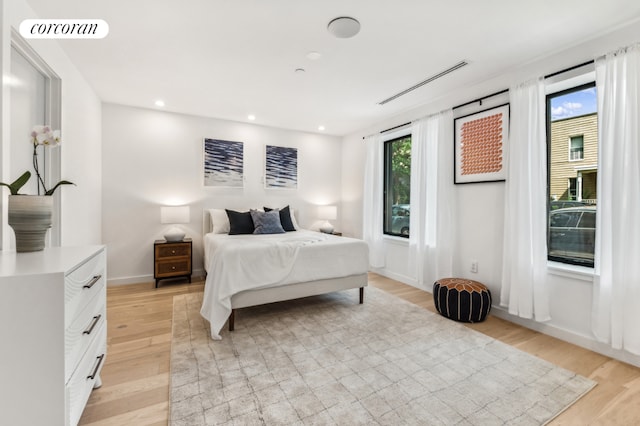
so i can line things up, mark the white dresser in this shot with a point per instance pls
(53, 334)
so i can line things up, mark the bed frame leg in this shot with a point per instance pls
(232, 318)
(361, 295)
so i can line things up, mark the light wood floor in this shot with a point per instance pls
(136, 374)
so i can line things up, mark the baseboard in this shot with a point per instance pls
(397, 277)
(584, 341)
(137, 279)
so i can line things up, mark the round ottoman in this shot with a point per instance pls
(461, 299)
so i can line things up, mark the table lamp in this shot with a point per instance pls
(327, 213)
(174, 215)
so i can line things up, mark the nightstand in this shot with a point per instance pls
(172, 260)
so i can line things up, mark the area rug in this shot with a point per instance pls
(328, 360)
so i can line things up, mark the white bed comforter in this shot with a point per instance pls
(237, 263)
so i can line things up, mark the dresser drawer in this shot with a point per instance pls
(173, 267)
(82, 284)
(172, 250)
(82, 331)
(84, 378)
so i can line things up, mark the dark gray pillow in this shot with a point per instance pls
(267, 222)
(239, 222)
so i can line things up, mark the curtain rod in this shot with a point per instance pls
(391, 128)
(405, 124)
(569, 69)
(481, 99)
(395, 127)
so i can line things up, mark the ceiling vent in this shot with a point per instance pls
(428, 80)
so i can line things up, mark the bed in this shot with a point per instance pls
(250, 270)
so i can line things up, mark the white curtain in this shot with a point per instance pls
(616, 297)
(524, 288)
(431, 223)
(372, 203)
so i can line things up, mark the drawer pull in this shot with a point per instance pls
(94, 280)
(173, 252)
(95, 370)
(93, 324)
(173, 268)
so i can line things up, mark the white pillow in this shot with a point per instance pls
(293, 218)
(219, 221)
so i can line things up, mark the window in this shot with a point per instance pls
(572, 116)
(573, 187)
(576, 148)
(397, 186)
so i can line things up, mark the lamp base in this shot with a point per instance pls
(174, 235)
(326, 227)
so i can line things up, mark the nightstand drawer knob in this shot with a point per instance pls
(173, 252)
(173, 267)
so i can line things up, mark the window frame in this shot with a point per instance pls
(386, 149)
(548, 116)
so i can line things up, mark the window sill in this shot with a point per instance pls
(401, 241)
(582, 273)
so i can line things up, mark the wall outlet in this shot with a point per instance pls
(474, 266)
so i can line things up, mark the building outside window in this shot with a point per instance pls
(572, 126)
(397, 186)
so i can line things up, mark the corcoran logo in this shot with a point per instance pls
(64, 28)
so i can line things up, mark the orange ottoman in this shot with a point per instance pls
(462, 300)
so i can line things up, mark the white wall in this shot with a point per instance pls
(153, 158)
(81, 135)
(480, 206)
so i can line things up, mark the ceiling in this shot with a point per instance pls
(231, 58)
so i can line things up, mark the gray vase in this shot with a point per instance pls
(30, 218)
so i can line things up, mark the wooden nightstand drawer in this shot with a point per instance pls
(172, 250)
(172, 260)
(167, 268)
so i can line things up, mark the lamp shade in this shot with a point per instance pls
(175, 214)
(328, 212)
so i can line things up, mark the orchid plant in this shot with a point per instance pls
(40, 136)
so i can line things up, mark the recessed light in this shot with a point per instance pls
(314, 56)
(321, 128)
(159, 103)
(300, 71)
(251, 117)
(344, 27)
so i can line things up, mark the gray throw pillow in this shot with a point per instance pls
(267, 222)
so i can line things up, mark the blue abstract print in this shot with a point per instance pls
(223, 163)
(281, 169)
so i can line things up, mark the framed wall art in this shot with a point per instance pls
(223, 163)
(281, 167)
(480, 142)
